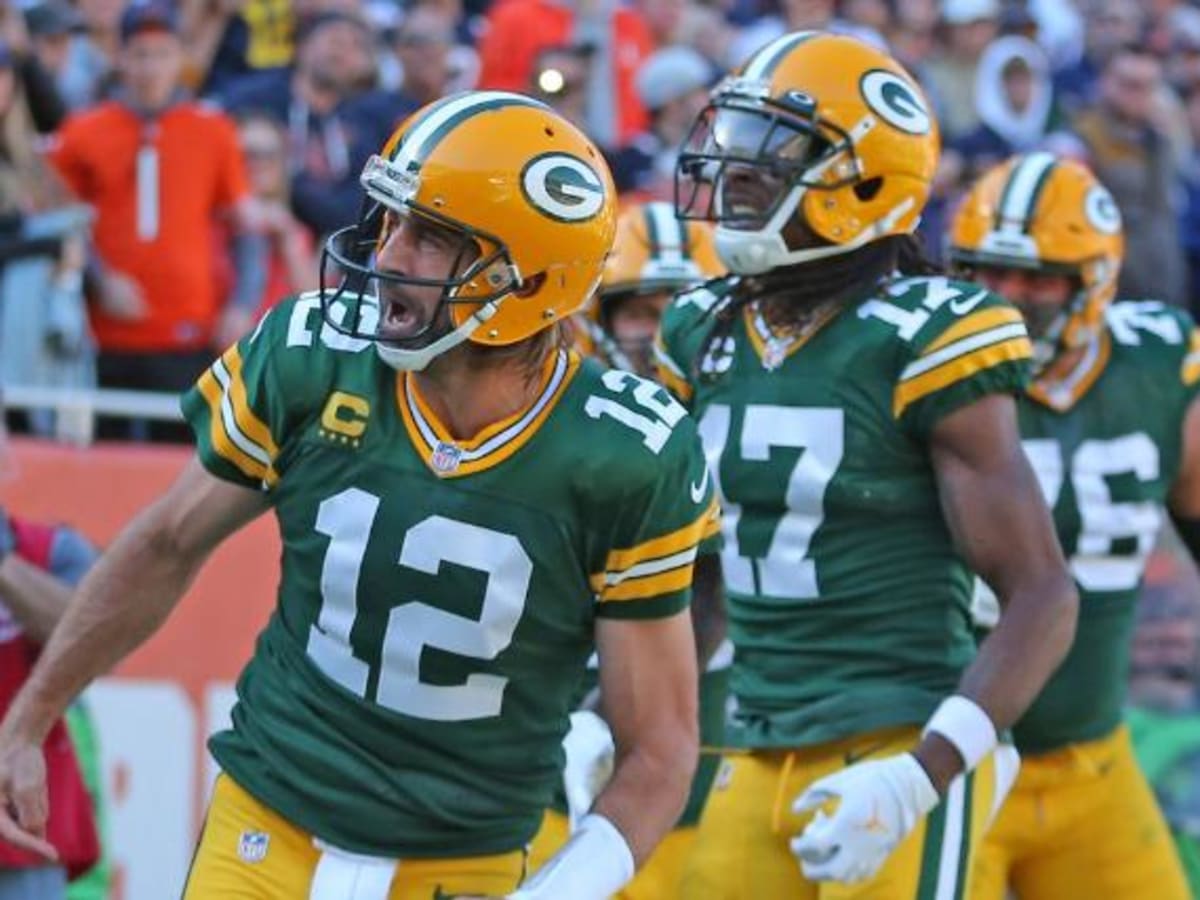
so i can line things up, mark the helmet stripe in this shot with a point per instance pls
(666, 233)
(1019, 197)
(762, 64)
(444, 116)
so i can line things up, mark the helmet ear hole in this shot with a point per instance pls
(867, 190)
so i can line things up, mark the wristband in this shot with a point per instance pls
(595, 863)
(965, 725)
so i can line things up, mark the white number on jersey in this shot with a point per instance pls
(664, 411)
(786, 571)
(346, 519)
(1126, 319)
(1102, 520)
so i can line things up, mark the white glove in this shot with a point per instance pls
(880, 802)
(590, 752)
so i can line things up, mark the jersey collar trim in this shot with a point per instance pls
(451, 458)
(1061, 394)
(772, 347)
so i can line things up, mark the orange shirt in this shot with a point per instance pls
(156, 228)
(517, 30)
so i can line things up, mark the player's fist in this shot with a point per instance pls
(879, 802)
(24, 798)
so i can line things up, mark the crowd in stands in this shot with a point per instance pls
(169, 170)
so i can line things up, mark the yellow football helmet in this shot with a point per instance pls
(505, 173)
(837, 129)
(1048, 214)
(654, 251)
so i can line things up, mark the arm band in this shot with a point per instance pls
(595, 863)
(965, 725)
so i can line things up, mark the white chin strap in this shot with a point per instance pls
(416, 360)
(755, 252)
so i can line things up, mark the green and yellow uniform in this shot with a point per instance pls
(848, 604)
(409, 695)
(1106, 445)
(659, 876)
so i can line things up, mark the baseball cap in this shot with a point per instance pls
(671, 73)
(52, 17)
(960, 12)
(152, 15)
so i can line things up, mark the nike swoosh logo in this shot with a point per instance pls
(960, 306)
(698, 489)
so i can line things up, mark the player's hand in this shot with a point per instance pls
(589, 750)
(879, 802)
(24, 798)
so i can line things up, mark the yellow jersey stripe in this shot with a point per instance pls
(248, 423)
(651, 585)
(222, 445)
(664, 545)
(1190, 372)
(960, 367)
(974, 323)
(962, 347)
(671, 376)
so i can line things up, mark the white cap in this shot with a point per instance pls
(960, 12)
(671, 73)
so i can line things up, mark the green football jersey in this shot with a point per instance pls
(437, 602)
(1106, 446)
(848, 605)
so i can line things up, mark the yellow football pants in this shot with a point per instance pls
(742, 853)
(248, 852)
(657, 879)
(1081, 822)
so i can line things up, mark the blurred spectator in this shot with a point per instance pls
(783, 16)
(912, 36)
(1183, 57)
(423, 43)
(229, 39)
(663, 18)
(159, 171)
(1014, 96)
(673, 85)
(518, 30)
(44, 337)
(291, 261)
(1110, 25)
(334, 119)
(1060, 29)
(1126, 143)
(970, 25)
(39, 564)
(560, 78)
(88, 73)
(1190, 215)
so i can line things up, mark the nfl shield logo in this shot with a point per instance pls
(446, 457)
(252, 846)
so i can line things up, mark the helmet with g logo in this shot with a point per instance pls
(654, 251)
(840, 132)
(1047, 214)
(509, 175)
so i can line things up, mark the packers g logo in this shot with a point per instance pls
(563, 187)
(1101, 210)
(895, 101)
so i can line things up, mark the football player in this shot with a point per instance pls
(653, 256)
(861, 427)
(1111, 426)
(466, 509)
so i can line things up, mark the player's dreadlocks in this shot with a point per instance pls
(794, 293)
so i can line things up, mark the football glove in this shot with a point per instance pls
(879, 801)
(590, 751)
